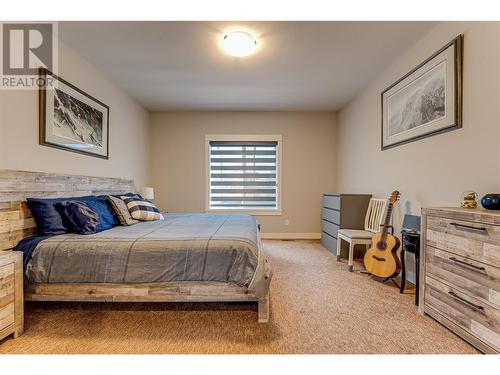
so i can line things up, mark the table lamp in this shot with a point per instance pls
(148, 192)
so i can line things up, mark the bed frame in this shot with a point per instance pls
(16, 223)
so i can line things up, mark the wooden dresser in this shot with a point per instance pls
(341, 211)
(11, 294)
(460, 273)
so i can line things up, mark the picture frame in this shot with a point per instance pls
(426, 101)
(70, 119)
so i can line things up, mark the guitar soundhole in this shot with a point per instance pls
(381, 245)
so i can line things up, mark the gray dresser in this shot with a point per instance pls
(341, 211)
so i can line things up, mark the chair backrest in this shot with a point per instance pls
(375, 214)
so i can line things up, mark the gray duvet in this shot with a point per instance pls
(183, 247)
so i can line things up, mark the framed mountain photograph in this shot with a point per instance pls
(71, 119)
(426, 101)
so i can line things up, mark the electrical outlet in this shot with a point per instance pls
(287, 222)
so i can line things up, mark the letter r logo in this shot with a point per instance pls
(26, 47)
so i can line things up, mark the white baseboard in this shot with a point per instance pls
(290, 236)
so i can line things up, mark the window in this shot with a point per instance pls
(244, 173)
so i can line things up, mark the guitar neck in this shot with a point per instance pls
(387, 221)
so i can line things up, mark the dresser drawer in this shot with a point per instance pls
(331, 215)
(329, 242)
(470, 314)
(329, 228)
(331, 201)
(476, 241)
(6, 316)
(476, 279)
(6, 282)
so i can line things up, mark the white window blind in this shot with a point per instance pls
(243, 175)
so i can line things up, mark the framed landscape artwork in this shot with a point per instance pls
(426, 101)
(71, 119)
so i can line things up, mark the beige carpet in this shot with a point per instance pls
(317, 307)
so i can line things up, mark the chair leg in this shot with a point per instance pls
(367, 247)
(339, 246)
(263, 309)
(351, 255)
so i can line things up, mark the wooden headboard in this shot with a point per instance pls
(16, 221)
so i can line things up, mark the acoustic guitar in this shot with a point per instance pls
(381, 259)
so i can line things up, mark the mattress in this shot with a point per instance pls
(183, 247)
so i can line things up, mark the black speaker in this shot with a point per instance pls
(411, 224)
(410, 242)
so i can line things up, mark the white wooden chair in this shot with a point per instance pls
(373, 219)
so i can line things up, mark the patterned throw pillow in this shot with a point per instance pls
(121, 211)
(83, 219)
(141, 209)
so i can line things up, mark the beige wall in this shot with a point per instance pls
(433, 171)
(308, 160)
(129, 123)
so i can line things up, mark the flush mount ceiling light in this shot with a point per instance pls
(239, 43)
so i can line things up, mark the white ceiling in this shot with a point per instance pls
(312, 66)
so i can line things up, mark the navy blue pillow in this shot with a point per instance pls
(47, 218)
(99, 204)
(51, 222)
(131, 195)
(83, 219)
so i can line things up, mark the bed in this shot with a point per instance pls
(190, 257)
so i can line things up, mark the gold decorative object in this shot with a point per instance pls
(469, 199)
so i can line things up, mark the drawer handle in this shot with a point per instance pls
(465, 264)
(480, 229)
(464, 301)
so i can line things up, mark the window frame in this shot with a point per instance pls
(245, 138)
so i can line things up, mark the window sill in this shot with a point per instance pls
(248, 212)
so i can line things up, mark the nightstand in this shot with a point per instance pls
(11, 294)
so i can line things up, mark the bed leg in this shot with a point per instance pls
(264, 309)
